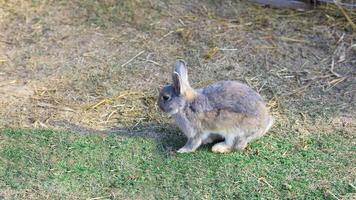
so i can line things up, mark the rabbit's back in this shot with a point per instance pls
(232, 96)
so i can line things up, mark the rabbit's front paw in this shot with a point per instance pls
(191, 145)
(185, 150)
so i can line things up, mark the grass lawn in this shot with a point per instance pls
(42, 164)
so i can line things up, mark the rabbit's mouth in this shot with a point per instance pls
(173, 112)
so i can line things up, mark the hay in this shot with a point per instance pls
(100, 64)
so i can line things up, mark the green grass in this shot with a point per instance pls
(59, 165)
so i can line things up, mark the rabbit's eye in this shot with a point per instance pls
(166, 97)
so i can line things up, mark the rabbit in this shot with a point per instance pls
(226, 110)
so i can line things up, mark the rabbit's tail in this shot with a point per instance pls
(270, 123)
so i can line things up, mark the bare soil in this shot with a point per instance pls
(98, 65)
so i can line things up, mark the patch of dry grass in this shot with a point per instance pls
(76, 59)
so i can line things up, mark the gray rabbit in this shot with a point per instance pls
(226, 110)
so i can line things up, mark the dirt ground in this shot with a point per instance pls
(98, 65)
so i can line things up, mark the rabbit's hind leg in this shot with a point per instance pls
(225, 146)
(242, 142)
(222, 147)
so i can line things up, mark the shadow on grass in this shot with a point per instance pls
(167, 136)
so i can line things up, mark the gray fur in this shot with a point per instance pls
(185, 125)
(227, 109)
(227, 95)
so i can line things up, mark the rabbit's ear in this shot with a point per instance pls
(181, 69)
(180, 80)
(176, 83)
